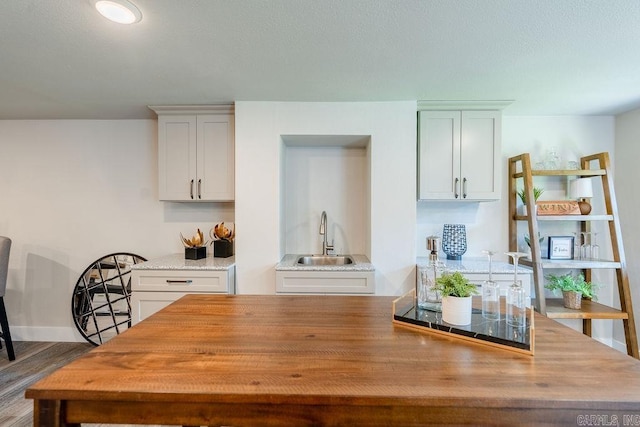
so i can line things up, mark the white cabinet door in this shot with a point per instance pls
(144, 304)
(480, 155)
(177, 151)
(439, 155)
(196, 157)
(216, 157)
(459, 155)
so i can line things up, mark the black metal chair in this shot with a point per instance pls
(100, 303)
(5, 249)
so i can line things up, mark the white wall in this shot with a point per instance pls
(626, 182)
(392, 127)
(73, 191)
(326, 178)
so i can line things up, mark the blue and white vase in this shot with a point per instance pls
(454, 241)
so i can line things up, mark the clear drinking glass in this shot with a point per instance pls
(516, 297)
(585, 249)
(595, 249)
(552, 160)
(576, 245)
(490, 295)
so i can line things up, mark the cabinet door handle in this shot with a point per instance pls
(464, 188)
(191, 189)
(455, 188)
(186, 282)
(199, 189)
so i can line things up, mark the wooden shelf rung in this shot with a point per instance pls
(589, 310)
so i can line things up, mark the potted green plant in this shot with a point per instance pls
(573, 288)
(522, 194)
(527, 240)
(456, 292)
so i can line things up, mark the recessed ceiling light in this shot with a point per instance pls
(120, 11)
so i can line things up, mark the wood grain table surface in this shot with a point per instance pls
(330, 360)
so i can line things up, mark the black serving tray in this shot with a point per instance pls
(495, 333)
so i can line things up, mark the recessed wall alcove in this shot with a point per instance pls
(329, 173)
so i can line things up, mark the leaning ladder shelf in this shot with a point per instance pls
(520, 169)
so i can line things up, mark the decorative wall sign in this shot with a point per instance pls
(560, 247)
(558, 207)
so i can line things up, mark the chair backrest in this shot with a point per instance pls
(5, 247)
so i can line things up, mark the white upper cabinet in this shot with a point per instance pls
(459, 155)
(195, 154)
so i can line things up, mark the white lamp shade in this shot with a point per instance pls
(581, 188)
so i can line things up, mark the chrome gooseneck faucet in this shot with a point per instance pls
(323, 232)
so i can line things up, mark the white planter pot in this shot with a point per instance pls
(523, 210)
(456, 310)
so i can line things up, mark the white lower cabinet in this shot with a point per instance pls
(152, 290)
(325, 282)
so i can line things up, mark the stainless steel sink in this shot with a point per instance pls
(325, 260)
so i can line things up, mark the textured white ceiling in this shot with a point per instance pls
(60, 59)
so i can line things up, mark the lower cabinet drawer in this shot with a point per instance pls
(180, 281)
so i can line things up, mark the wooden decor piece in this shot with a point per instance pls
(558, 207)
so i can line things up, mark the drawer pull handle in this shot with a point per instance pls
(188, 281)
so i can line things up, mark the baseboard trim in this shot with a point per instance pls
(45, 334)
(620, 346)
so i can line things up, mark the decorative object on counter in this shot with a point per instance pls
(557, 207)
(522, 194)
(223, 238)
(516, 296)
(582, 189)
(490, 295)
(573, 289)
(454, 241)
(427, 297)
(560, 247)
(493, 333)
(456, 291)
(195, 247)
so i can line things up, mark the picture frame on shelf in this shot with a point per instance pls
(560, 247)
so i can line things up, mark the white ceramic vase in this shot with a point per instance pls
(524, 210)
(456, 310)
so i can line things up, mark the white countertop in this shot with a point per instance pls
(288, 263)
(178, 262)
(475, 265)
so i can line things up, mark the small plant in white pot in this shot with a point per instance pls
(456, 294)
(522, 194)
(573, 288)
